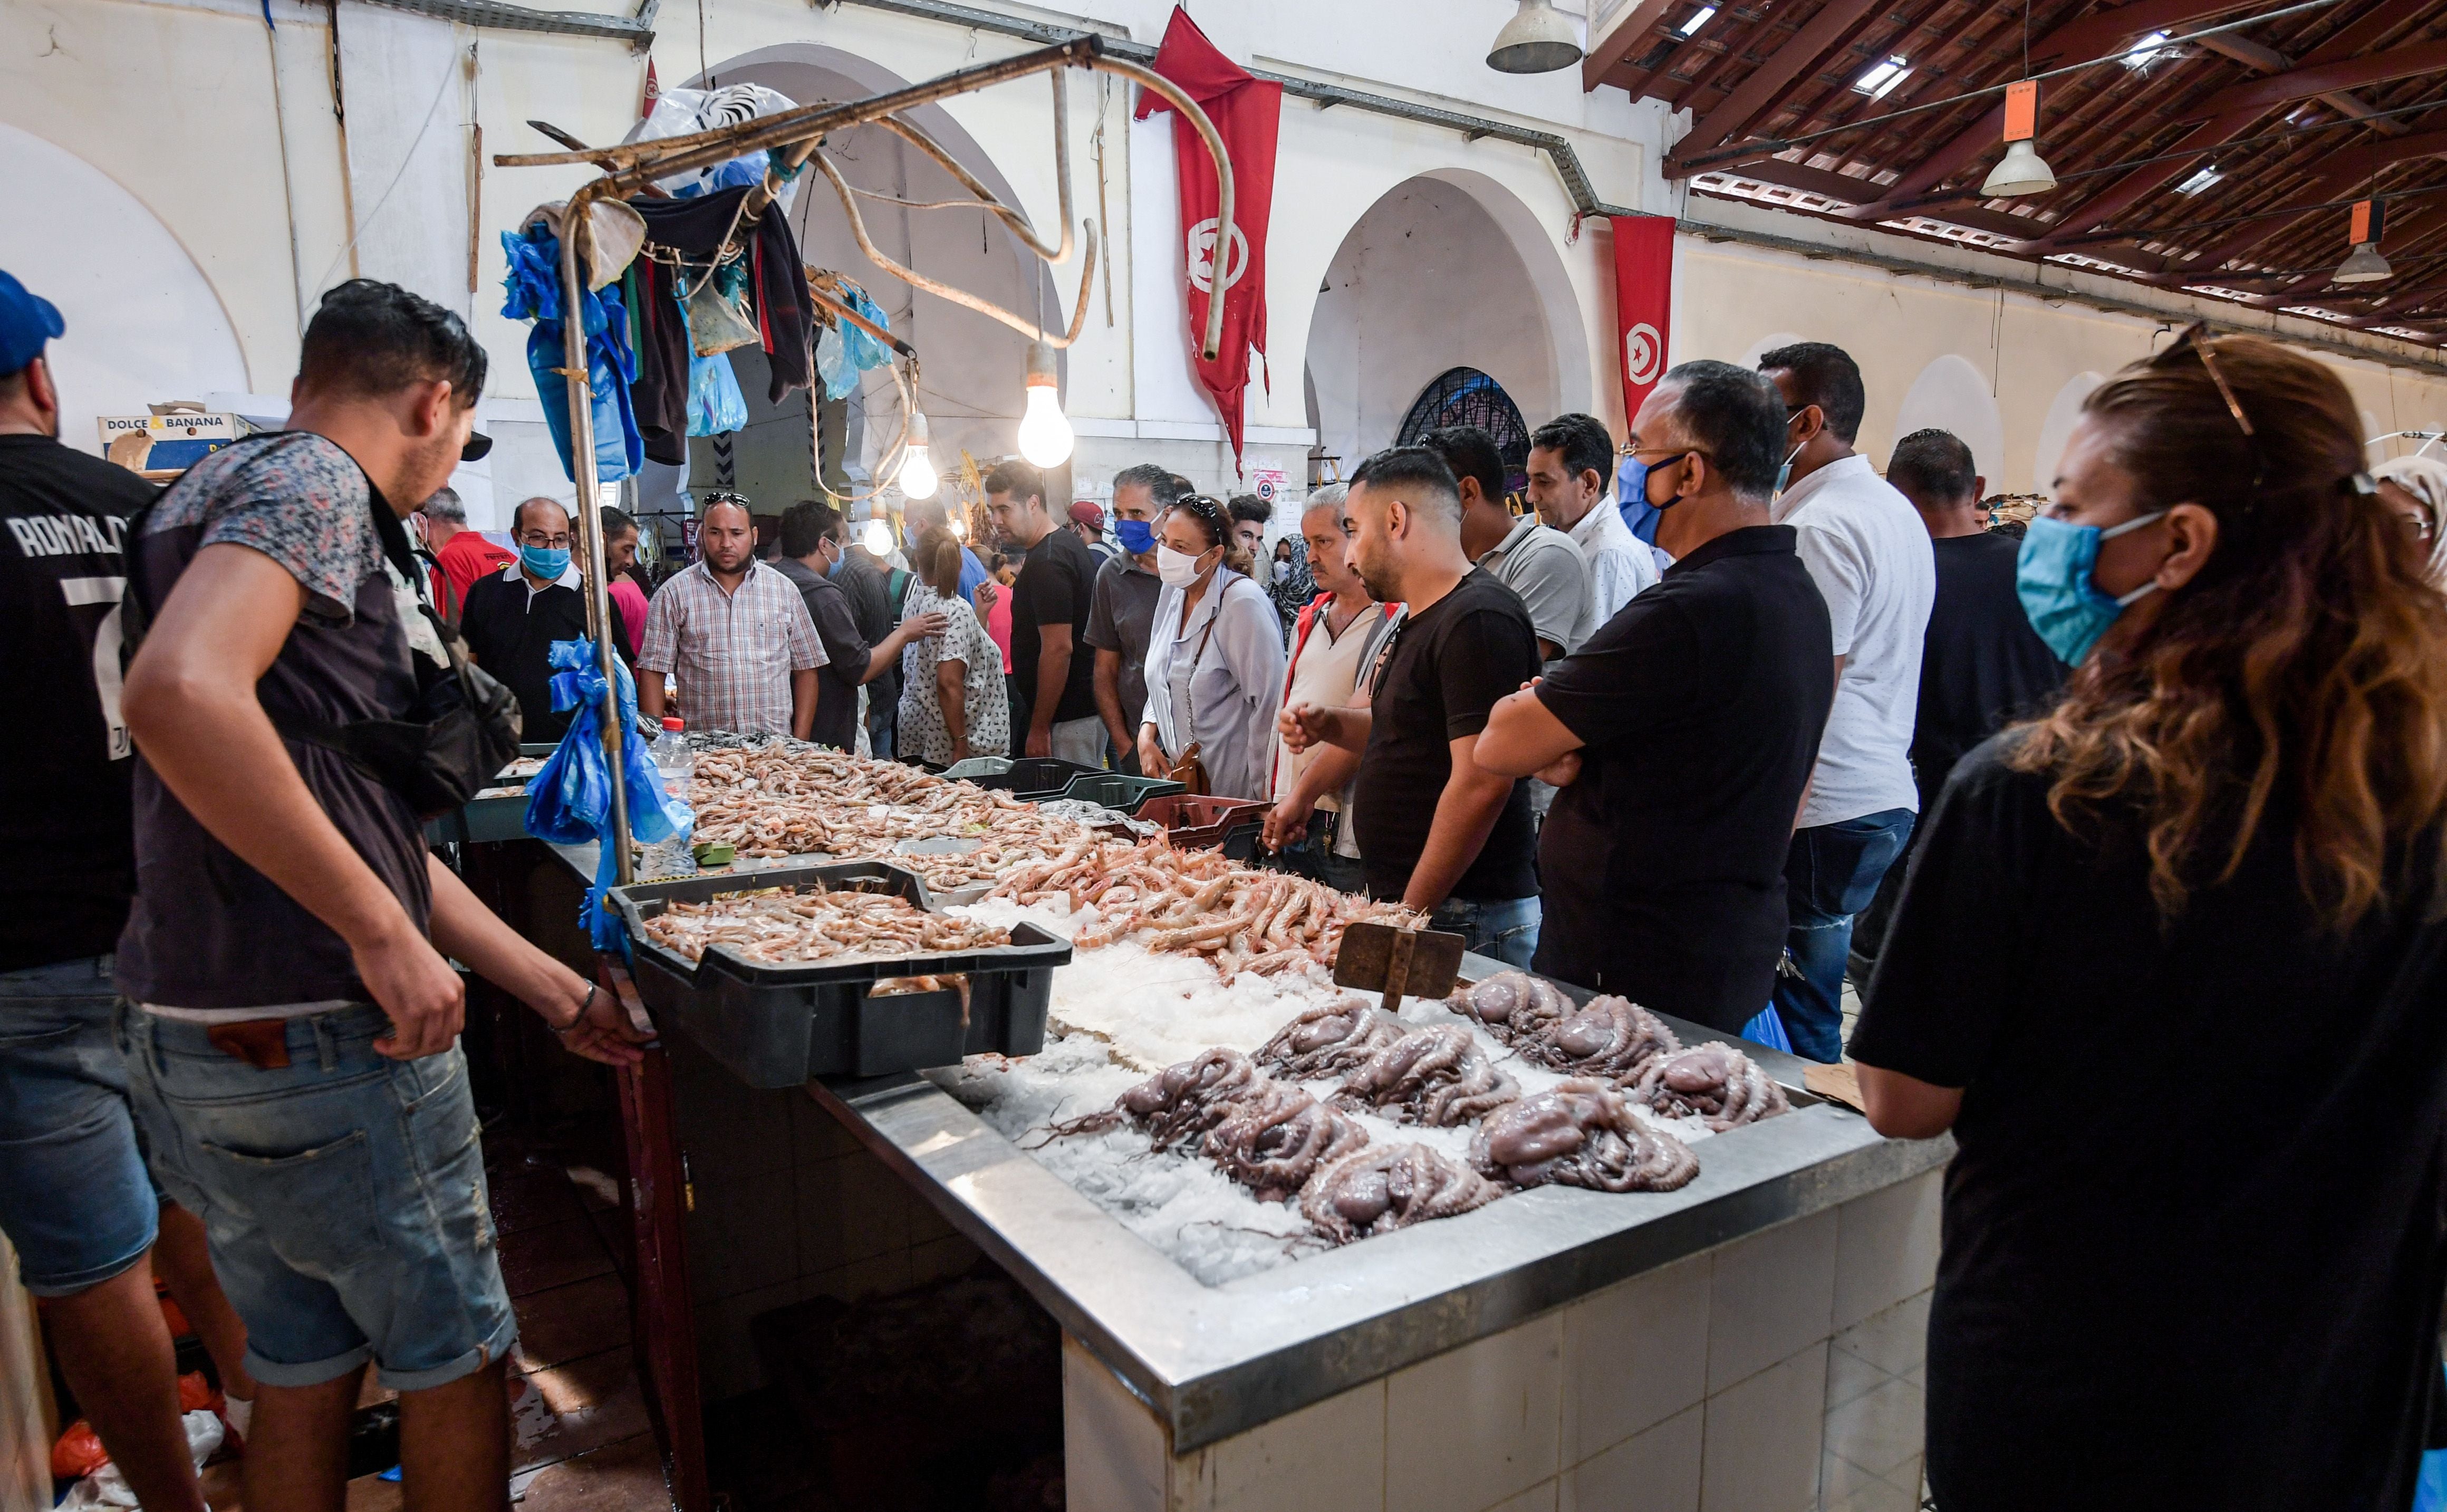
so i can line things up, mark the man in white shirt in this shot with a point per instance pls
(1536, 561)
(1571, 465)
(1871, 559)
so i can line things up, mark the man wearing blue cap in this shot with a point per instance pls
(74, 1197)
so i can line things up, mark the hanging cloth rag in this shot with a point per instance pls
(697, 228)
(570, 801)
(665, 377)
(533, 286)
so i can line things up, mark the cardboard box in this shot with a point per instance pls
(165, 445)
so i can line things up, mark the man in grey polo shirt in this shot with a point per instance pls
(1121, 612)
(1536, 561)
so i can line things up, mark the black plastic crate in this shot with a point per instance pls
(778, 1026)
(1120, 790)
(1035, 777)
(481, 820)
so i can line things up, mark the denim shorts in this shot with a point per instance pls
(74, 1197)
(1505, 929)
(344, 1195)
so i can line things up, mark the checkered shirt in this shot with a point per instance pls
(731, 654)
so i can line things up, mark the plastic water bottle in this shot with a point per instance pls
(675, 762)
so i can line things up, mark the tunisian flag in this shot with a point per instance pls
(1246, 113)
(1643, 297)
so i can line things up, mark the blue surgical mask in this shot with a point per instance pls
(1137, 536)
(840, 555)
(2052, 577)
(545, 563)
(1783, 474)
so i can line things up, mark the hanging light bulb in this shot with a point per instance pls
(958, 522)
(2363, 264)
(1044, 435)
(2020, 171)
(878, 536)
(1538, 39)
(919, 478)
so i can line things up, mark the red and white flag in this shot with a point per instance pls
(1644, 299)
(1248, 113)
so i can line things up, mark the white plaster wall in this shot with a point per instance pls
(1950, 394)
(1425, 282)
(143, 322)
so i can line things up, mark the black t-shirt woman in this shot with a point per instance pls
(2169, 964)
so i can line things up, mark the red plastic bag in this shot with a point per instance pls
(78, 1452)
(196, 1394)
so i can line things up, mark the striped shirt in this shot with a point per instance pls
(731, 654)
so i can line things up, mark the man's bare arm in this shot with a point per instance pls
(190, 703)
(803, 702)
(650, 696)
(1467, 810)
(1523, 737)
(589, 1023)
(1109, 697)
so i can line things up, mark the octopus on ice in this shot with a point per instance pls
(1328, 1039)
(1579, 1134)
(1715, 1082)
(1273, 1143)
(1434, 1076)
(1512, 1004)
(1384, 1187)
(1180, 1102)
(1607, 1036)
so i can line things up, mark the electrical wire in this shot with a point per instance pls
(447, 74)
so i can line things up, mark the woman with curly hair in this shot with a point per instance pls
(2170, 966)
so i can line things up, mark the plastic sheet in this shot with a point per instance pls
(843, 351)
(570, 800)
(532, 292)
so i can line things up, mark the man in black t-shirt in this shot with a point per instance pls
(74, 1197)
(513, 616)
(1981, 665)
(1050, 662)
(1437, 830)
(1682, 733)
(814, 554)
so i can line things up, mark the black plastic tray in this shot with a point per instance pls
(1035, 777)
(778, 1026)
(481, 820)
(1119, 791)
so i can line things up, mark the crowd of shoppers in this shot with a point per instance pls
(2212, 824)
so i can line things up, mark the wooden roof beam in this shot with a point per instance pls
(2251, 54)
(1765, 84)
(1621, 38)
(2231, 112)
(2101, 36)
(2352, 170)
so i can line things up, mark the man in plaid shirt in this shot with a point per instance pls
(736, 633)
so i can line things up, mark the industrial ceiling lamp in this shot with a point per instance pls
(2363, 264)
(919, 478)
(1044, 435)
(2020, 171)
(1538, 39)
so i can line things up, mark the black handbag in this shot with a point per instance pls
(461, 729)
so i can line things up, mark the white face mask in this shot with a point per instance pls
(1177, 568)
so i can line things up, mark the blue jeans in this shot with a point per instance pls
(343, 1193)
(1312, 856)
(74, 1197)
(1831, 873)
(1505, 928)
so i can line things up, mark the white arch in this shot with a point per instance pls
(1952, 395)
(143, 322)
(2064, 412)
(1750, 357)
(1416, 288)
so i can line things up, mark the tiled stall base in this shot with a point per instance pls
(1779, 1373)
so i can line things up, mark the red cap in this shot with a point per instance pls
(1087, 512)
(674, 724)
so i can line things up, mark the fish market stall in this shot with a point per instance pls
(1486, 1251)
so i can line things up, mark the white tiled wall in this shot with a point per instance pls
(1779, 1373)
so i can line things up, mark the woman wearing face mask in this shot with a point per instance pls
(2170, 966)
(1215, 658)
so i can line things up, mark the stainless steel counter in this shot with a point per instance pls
(1215, 1361)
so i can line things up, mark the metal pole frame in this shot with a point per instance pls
(791, 136)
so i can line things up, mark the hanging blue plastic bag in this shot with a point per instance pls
(1767, 1028)
(715, 405)
(843, 351)
(532, 292)
(570, 801)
